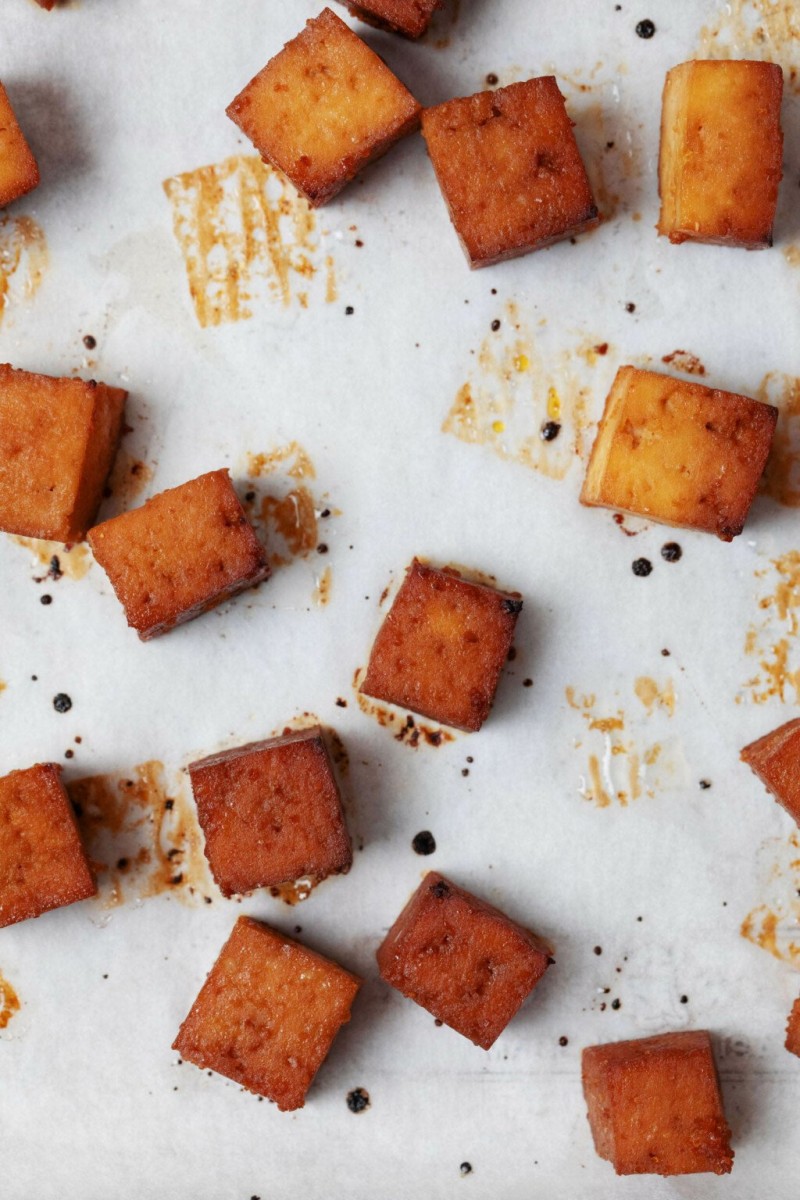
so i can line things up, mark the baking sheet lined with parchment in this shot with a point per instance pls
(349, 370)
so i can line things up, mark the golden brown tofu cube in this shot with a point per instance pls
(775, 759)
(42, 863)
(271, 813)
(442, 647)
(267, 1014)
(18, 170)
(58, 438)
(721, 152)
(409, 17)
(323, 108)
(655, 1106)
(180, 554)
(793, 1030)
(466, 962)
(679, 453)
(510, 170)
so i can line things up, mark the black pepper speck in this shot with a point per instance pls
(466, 1168)
(598, 949)
(348, 312)
(705, 784)
(62, 702)
(550, 431)
(641, 566)
(45, 599)
(645, 29)
(684, 999)
(89, 342)
(424, 842)
(616, 1004)
(495, 326)
(630, 307)
(671, 551)
(358, 1100)
(562, 1041)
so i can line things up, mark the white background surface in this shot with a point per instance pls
(115, 98)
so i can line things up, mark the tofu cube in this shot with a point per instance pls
(267, 1014)
(42, 863)
(271, 813)
(323, 108)
(58, 439)
(180, 554)
(793, 1030)
(464, 961)
(442, 647)
(655, 1106)
(19, 172)
(721, 153)
(409, 17)
(679, 453)
(775, 759)
(510, 170)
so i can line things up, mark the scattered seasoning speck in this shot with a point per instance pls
(562, 1041)
(249, 497)
(492, 79)
(640, 918)
(665, 653)
(616, 1004)
(550, 431)
(359, 242)
(357, 1100)
(671, 551)
(466, 1168)
(641, 566)
(62, 702)
(465, 771)
(348, 312)
(684, 999)
(45, 599)
(630, 307)
(340, 703)
(495, 325)
(326, 512)
(598, 949)
(705, 784)
(645, 29)
(89, 342)
(527, 683)
(470, 759)
(424, 842)
(322, 548)
(54, 570)
(69, 754)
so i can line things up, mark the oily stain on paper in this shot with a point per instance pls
(141, 836)
(619, 767)
(406, 728)
(772, 640)
(245, 234)
(23, 260)
(774, 924)
(759, 29)
(9, 1002)
(67, 562)
(781, 479)
(525, 410)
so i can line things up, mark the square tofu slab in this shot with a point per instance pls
(466, 962)
(721, 152)
(19, 172)
(655, 1106)
(58, 438)
(267, 1014)
(409, 17)
(180, 554)
(271, 813)
(775, 759)
(323, 108)
(792, 1042)
(42, 863)
(679, 453)
(442, 647)
(510, 170)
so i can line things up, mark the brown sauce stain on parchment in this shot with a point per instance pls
(322, 589)
(772, 640)
(129, 477)
(759, 29)
(141, 836)
(684, 360)
(73, 561)
(23, 260)
(245, 235)
(792, 255)
(9, 1002)
(405, 727)
(512, 394)
(781, 479)
(609, 138)
(774, 924)
(622, 766)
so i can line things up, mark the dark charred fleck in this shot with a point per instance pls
(551, 962)
(54, 570)
(340, 703)
(609, 145)
(512, 606)
(177, 878)
(645, 29)
(470, 759)
(62, 702)
(89, 342)
(665, 653)
(527, 683)
(359, 242)
(122, 864)
(249, 497)
(46, 599)
(598, 949)
(705, 784)
(322, 548)
(348, 312)
(438, 1023)
(671, 551)
(550, 431)
(684, 999)
(440, 889)
(492, 79)
(326, 512)
(630, 306)
(602, 349)
(495, 326)
(358, 1100)
(424, 842)
(466, 1168)
(512, 654)
(563, 1041)
(433, 737)
(69, 754)
(641, 566)
(616, 1004)
(465, 771)
(169, 804)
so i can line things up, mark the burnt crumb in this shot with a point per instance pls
(465, 771)
(326, 512)
(551, 962)
(69, 754)
(527, 683)
(424, 842)
(45, 599)
(322, 548)
(169, 804)
(705, 784)
(563, 1041)
(440, 889)
(359, 243)
(62, 702)
(249, 497)
(433, 737)
(640, 918)
(470, 759)
(684, 999)
(671, 551)
(340, 702)
(34, 678)
(122, 863)
(602, 349)
(645, 29)
(348, 312)
(176, 879)
(550, 431)
(466, 1168)
(495, 326)
(105, 977)
(665, 653)
(511, 606)
(358, 1100)
(616, 1004)
(207, 899)
(438, 1023)
(492, 79)
(641, 566)
(598, 949)
(89, 342)
(54, 570)
(630, 307)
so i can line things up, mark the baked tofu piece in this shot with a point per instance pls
(466, 962)
(58, 438)
(721, 151)
(510, 170)
(679, 453)
(271, 813)
(409, 17)
(323, 108)
(42, 863)
(655, 1106)
(442, 647)
(180, 554)
(19, 172)
(792, 1042)
(267, 1014)
(775, 759)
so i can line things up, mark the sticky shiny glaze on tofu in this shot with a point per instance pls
(19, 172)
